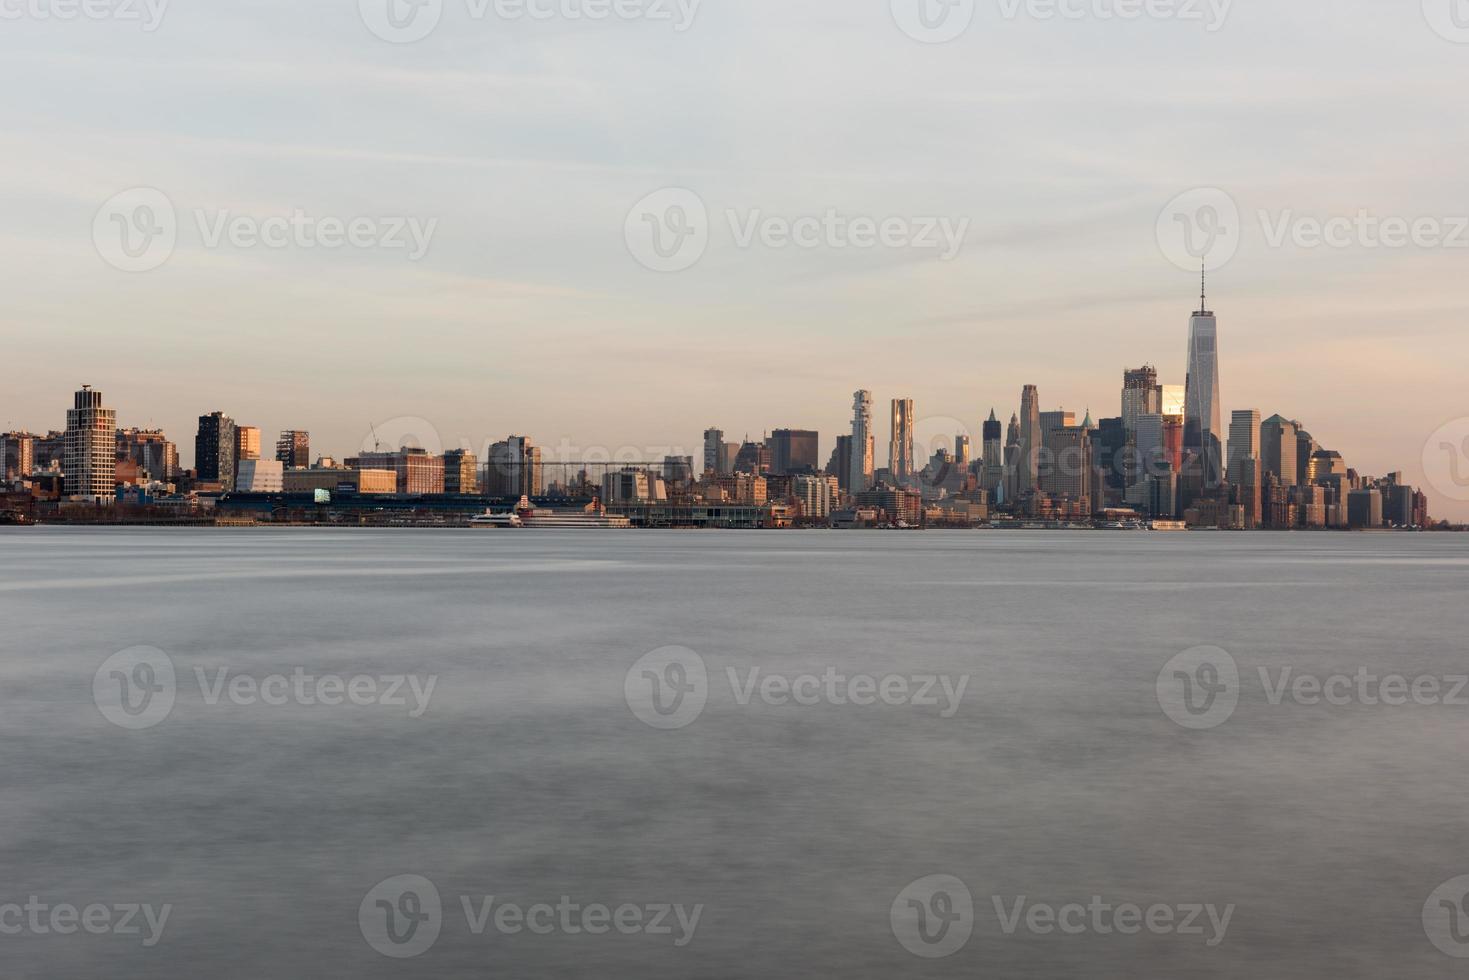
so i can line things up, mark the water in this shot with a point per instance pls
(796, 827)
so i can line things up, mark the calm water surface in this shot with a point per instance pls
(796, 827)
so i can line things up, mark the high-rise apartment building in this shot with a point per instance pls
(214, 450)
(1244, 440)
(293, 449)
(860, 477)
(89, 461)
(247, 442)
(17, 455)
(900, 443)
(1203, 426)
(1027, 462)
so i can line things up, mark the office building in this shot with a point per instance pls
(794, 451)
(1028, 459)
(1244, 440)
(461, 472)
(713, 450)
(247, 442)
(293, 449)
(1141, 395)
(1203, 428)
(337, 480)
(994, 453)
(514, 469)
(214, 450)
(89, 456)
(260, 476)
(419, 474)
(1278, 444)
(1364, 508)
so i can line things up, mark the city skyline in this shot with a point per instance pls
(1033, 421)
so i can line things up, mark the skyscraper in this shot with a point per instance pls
(89, 459)
(1203, 429)
(1026, 465)
(713, 450)
(214, 450)
(1140, 395)
(900, 445)
(1278, 443)
(1244, 440)
(860, 477)
(994, 452)
(514, 469)
(293, 449)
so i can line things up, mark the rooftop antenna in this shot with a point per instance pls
(1203, 285)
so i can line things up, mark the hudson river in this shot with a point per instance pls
(371, 754)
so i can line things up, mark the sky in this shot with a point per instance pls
(603, 207)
